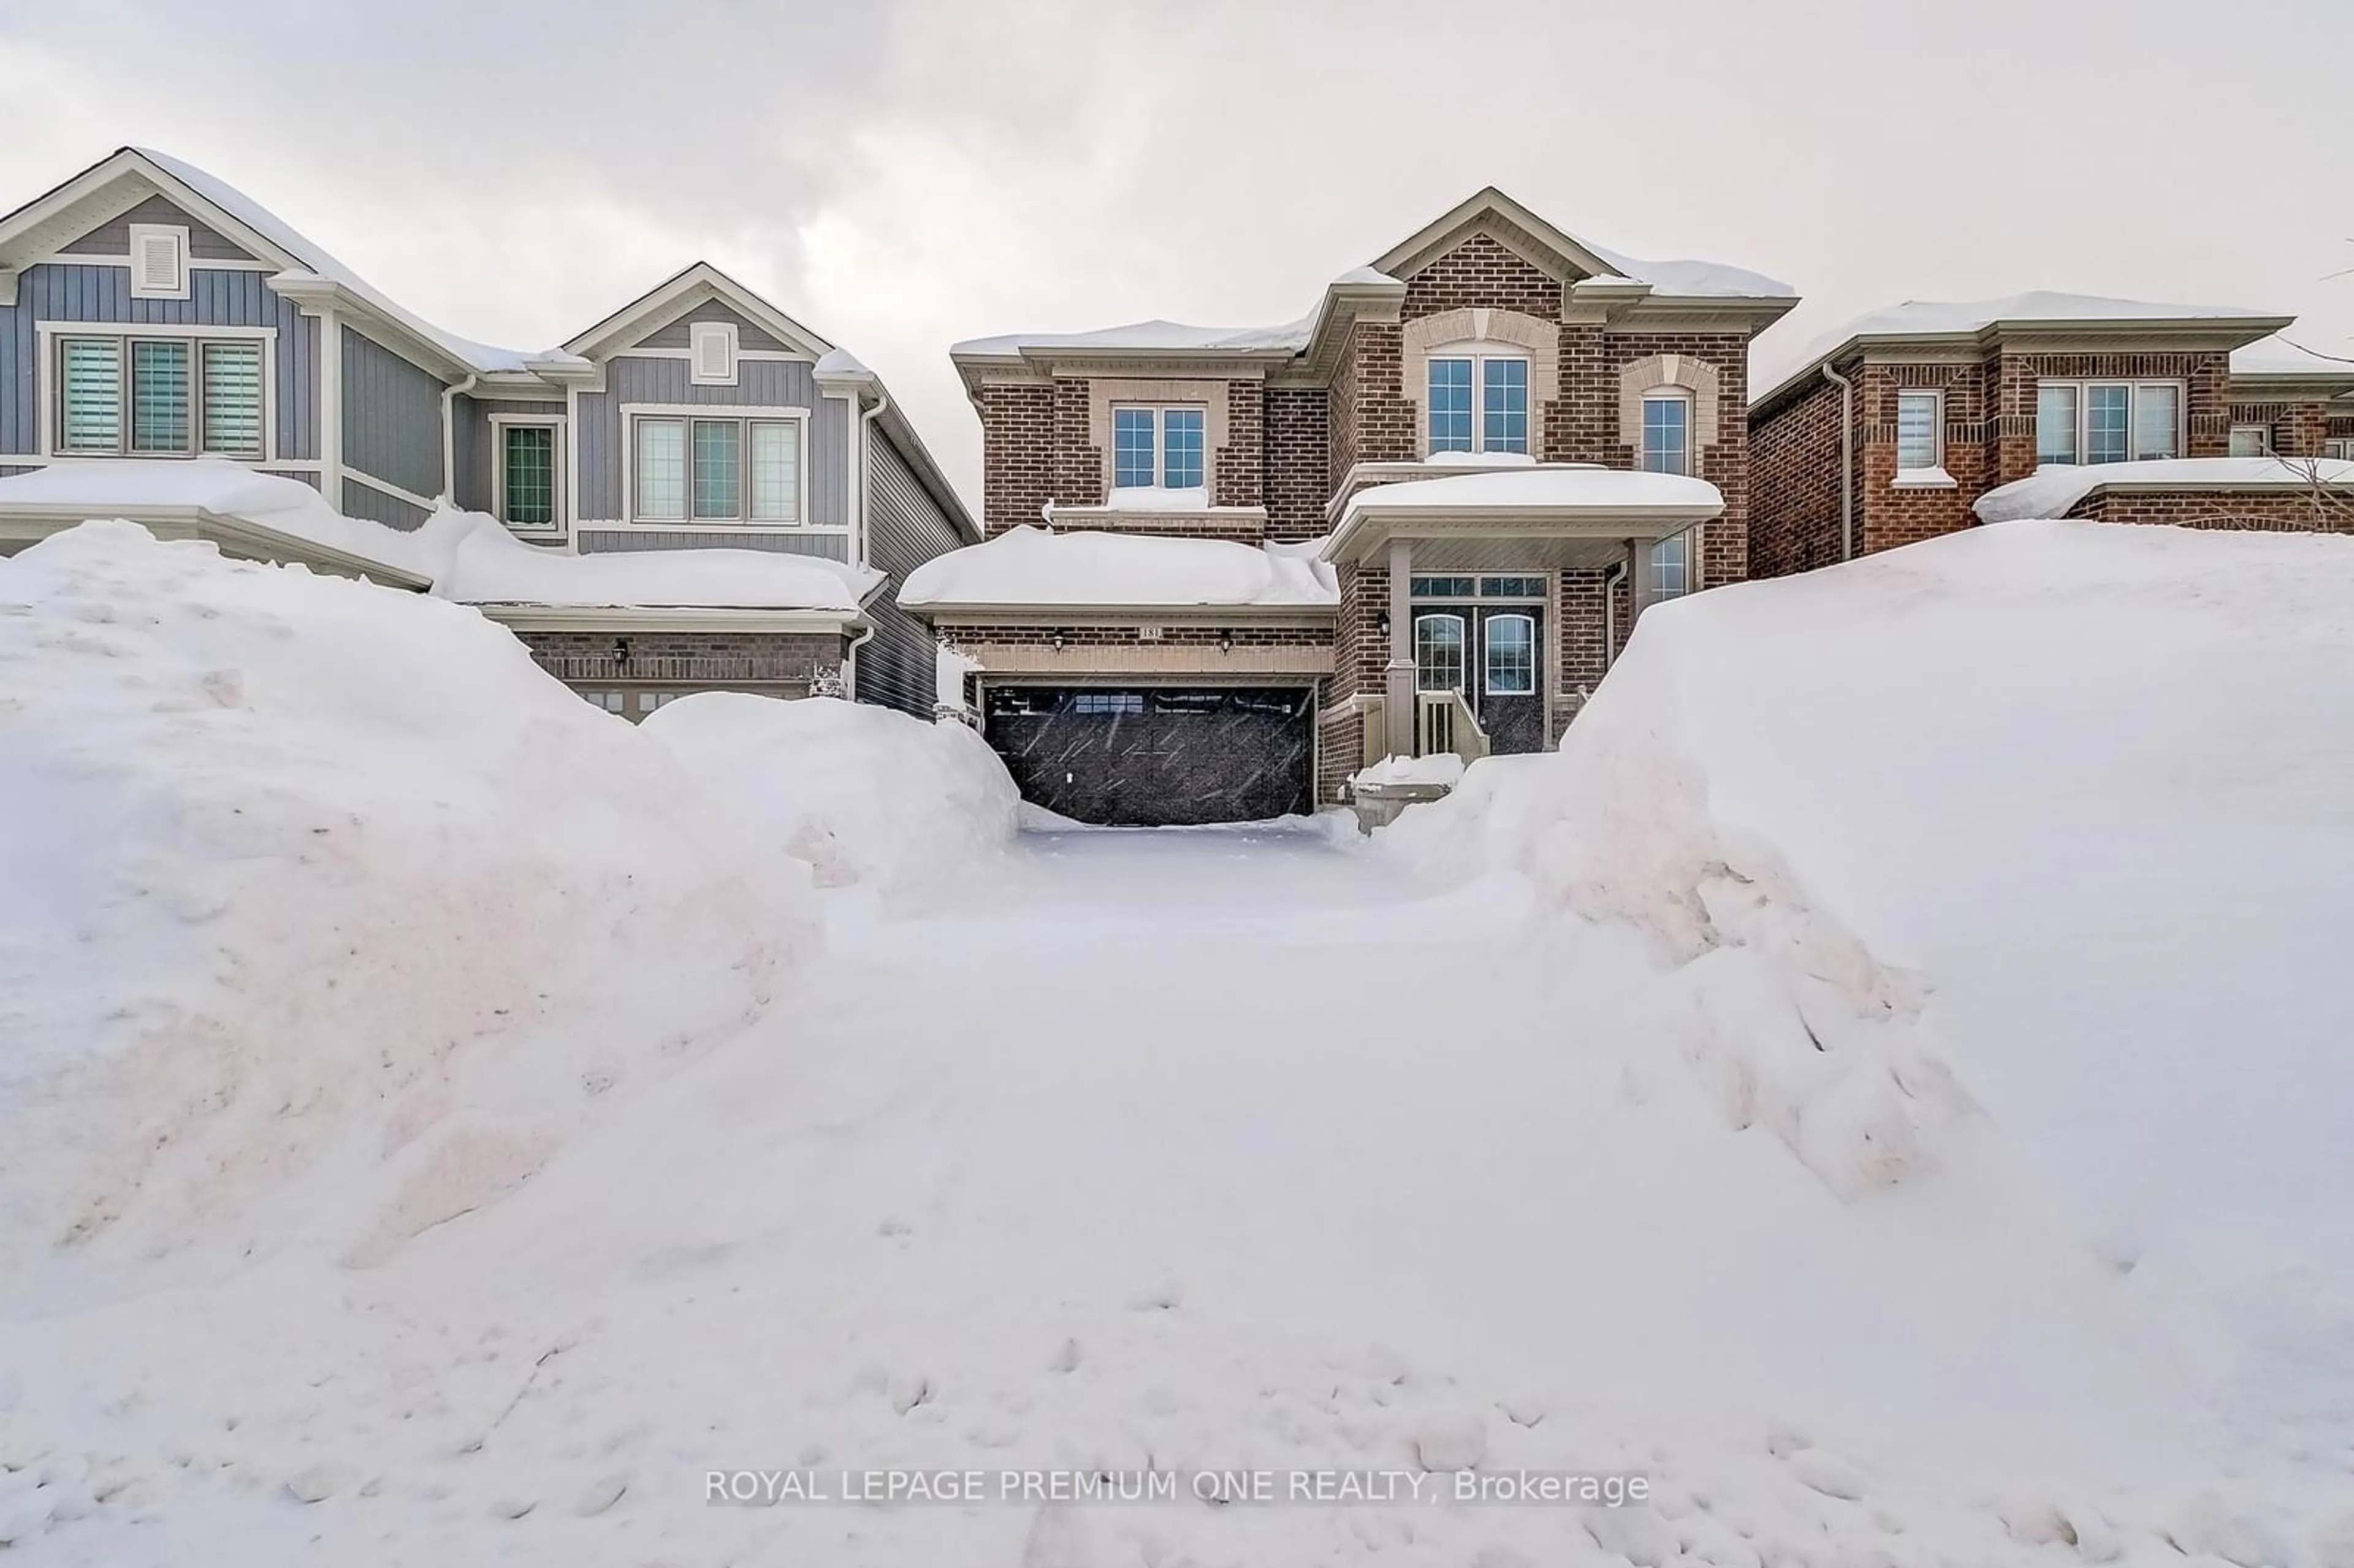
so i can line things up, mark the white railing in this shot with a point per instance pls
(1445, 722)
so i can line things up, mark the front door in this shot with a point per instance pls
(1493, 655)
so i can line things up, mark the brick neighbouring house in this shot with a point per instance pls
(1917, 416)
(1497, 442)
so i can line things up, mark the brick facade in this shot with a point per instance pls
(2295, 510)
(1989, 439)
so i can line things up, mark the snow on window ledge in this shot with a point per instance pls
(1923, 478)
(1155, 498)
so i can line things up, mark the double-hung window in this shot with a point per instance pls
(1157, 449)
(526, 475)
(1919, 432)
(160, 397)
(1666, 433)
(2107, 421)
(1478, 403)
(717, 469)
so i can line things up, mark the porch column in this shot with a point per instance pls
(1398, 697)
(1640, 587)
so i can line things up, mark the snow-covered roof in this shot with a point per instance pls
(1685, 278)
(2053, 489)
(1025, 567)
(2039, 307)
(2278, 355)
(1145, 337)
(1541, 491)
(318, 261)
(488, 565)
(468, 557)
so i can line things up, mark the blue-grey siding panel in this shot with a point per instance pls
(308, 476)
(10, 470)
(56, 292)
(761, 384)
(113, 237)
(361, 501)
(472, 437)
(833, 547)
(677, 333)
(392, 417)
(904, 527)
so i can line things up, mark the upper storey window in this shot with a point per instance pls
(1478, 403)
(1666, 433)
(1157, 447)
(160, 397)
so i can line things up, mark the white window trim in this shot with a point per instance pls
(1488, 664)
(2263, 434)
(1160, 412)
(632, 412)
(1463, 631)
(2138, 384)
(699, 334)
(1671, 394)
(48, 390)
(177, 234)
(1480, 353)
(2340, 448)
(1936, 430)
(500, 424)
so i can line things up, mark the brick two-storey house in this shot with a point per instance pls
(1225, 570)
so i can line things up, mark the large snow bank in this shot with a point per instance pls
(2054, 488)
(1034, 566)
(861, 794)
(2039, 831)
(308, 889)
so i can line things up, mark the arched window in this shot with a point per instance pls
(1438, 653)
(1510, 656)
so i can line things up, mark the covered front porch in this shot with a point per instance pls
(1488, 604)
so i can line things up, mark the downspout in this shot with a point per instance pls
(450, 396)
(1610, 580)
(850, 661)
(866, 418)
(1847, 463)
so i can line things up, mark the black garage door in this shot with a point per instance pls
(1156, 757)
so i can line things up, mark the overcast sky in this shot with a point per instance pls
(900, 175)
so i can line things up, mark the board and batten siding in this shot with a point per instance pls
(905, 526)
(782, 384)
(392, 417)
(477, 456)
(363, 500)
(100, 295)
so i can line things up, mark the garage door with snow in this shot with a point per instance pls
(1156, 758)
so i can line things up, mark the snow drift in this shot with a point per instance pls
(861, 794)
(307, 891)
(2037, 836)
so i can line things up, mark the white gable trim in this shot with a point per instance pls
(682, 292)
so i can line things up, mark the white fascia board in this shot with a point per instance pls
(656, 618)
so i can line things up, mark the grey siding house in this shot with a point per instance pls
(148, 311)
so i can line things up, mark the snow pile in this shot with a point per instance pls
(216, 484)
(2054, 488)
(1442, 770)
(2037, 832)
(308, 890)
(861, 794)
(1029, 565)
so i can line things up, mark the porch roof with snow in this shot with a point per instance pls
(1546, 515)
(2277, 368)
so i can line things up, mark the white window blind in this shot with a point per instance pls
(776, 471)
(160, 399)
(92, 372)
(232, 398)
(661, 468)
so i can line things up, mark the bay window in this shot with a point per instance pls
(160, 397)
(1157, 449)
(2107, 421)
(1478, 403)
(727, 469)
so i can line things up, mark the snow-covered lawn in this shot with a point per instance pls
(1658, 1107)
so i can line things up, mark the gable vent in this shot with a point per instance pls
(159, 261)
(714, 349)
